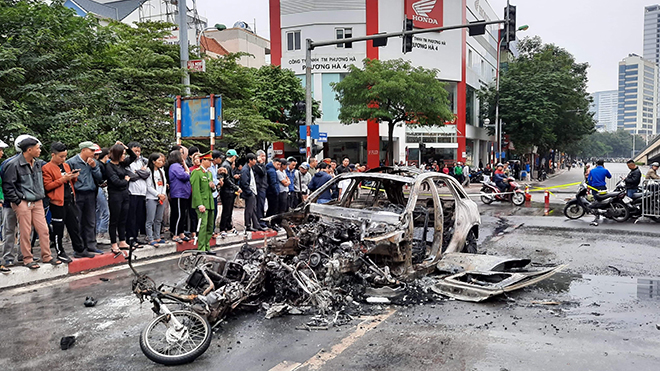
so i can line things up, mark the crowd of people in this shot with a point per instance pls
(115, 196)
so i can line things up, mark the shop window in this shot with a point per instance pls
(293, 40)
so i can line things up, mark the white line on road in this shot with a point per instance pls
(322, 357)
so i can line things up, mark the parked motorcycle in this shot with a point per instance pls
(611, 205)
(542, 175)
(513, 193)
(476, 176)
(646, 200)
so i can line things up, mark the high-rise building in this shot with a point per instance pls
(652, 33)
(604, 107)
(638, 95)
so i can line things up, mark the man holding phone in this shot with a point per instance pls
(85, 187)
(59, 182)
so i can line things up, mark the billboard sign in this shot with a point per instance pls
(314, 131)
(194, 117)
(323, 137)
(425, 13)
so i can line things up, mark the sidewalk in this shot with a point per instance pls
(20, 275)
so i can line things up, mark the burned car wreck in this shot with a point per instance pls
(395, 225)
(377, 242)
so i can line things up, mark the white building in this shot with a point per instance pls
(465, 63)
(605, 109)
(638, 95)
(241, 39)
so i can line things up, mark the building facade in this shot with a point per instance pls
(605, 109)
(638, 95)
(465, 64)
(652, 33)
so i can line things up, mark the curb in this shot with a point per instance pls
(599, 229)
(20, 276)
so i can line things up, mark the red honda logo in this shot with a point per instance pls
(425, 13)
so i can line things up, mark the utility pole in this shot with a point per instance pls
(183, 43)
(308, 98)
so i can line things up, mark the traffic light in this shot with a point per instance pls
(407, 39)
(316, 149)
(510, 25)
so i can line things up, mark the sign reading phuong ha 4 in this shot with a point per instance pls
(198, 118)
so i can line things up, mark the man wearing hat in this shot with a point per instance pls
(305, 177)
(652, 173)
(228, 191)
(10, 222)
(85, 187)
(3, 145)
(203, 186)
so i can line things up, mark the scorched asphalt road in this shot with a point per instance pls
(600, 314)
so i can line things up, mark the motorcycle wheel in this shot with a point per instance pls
(487, 198)
(619, 212)
(518, 198)
(573, 210)
(160, 342)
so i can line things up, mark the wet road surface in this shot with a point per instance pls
(600, 314)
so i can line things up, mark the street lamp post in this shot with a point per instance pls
(218, 26)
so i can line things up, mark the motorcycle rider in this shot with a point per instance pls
(633, 179)
(596, 180)
(652, 174)
(499, 177)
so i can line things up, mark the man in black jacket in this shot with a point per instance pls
(633, 179)
(249, 187)
(228, 191)
(261, 176)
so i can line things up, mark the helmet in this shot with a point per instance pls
(21, 138)
(232, 152)
(655, 164)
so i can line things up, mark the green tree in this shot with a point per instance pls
(402, 94)
(67, 78)
(543, 99)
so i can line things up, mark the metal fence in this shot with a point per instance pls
(651, 199)
(616, 177)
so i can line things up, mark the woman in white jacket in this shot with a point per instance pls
(156, 196)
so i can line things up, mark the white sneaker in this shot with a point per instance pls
(102, 239)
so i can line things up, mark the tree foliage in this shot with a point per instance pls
(70, 79)
(542, 99)
(401, 93)
(607, 145)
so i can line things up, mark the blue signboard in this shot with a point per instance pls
(196, 117)
(314, 129)
(323, 137)
(302, 150)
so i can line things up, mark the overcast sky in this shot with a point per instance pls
(600, 32)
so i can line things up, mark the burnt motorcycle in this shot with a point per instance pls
(611, 205)
(491, 192)
(187, 312)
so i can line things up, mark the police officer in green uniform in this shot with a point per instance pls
(201, 180)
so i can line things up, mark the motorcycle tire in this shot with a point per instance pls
(487, 199)
(518, 198)
(470, 243)
(198, 339)
(573, 210)
(620, 212)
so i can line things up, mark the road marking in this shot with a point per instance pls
(322, 357)
(285, 366)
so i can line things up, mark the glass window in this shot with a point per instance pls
(344, 33)
(293, 40)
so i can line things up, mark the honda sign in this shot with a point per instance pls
(425, 13)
